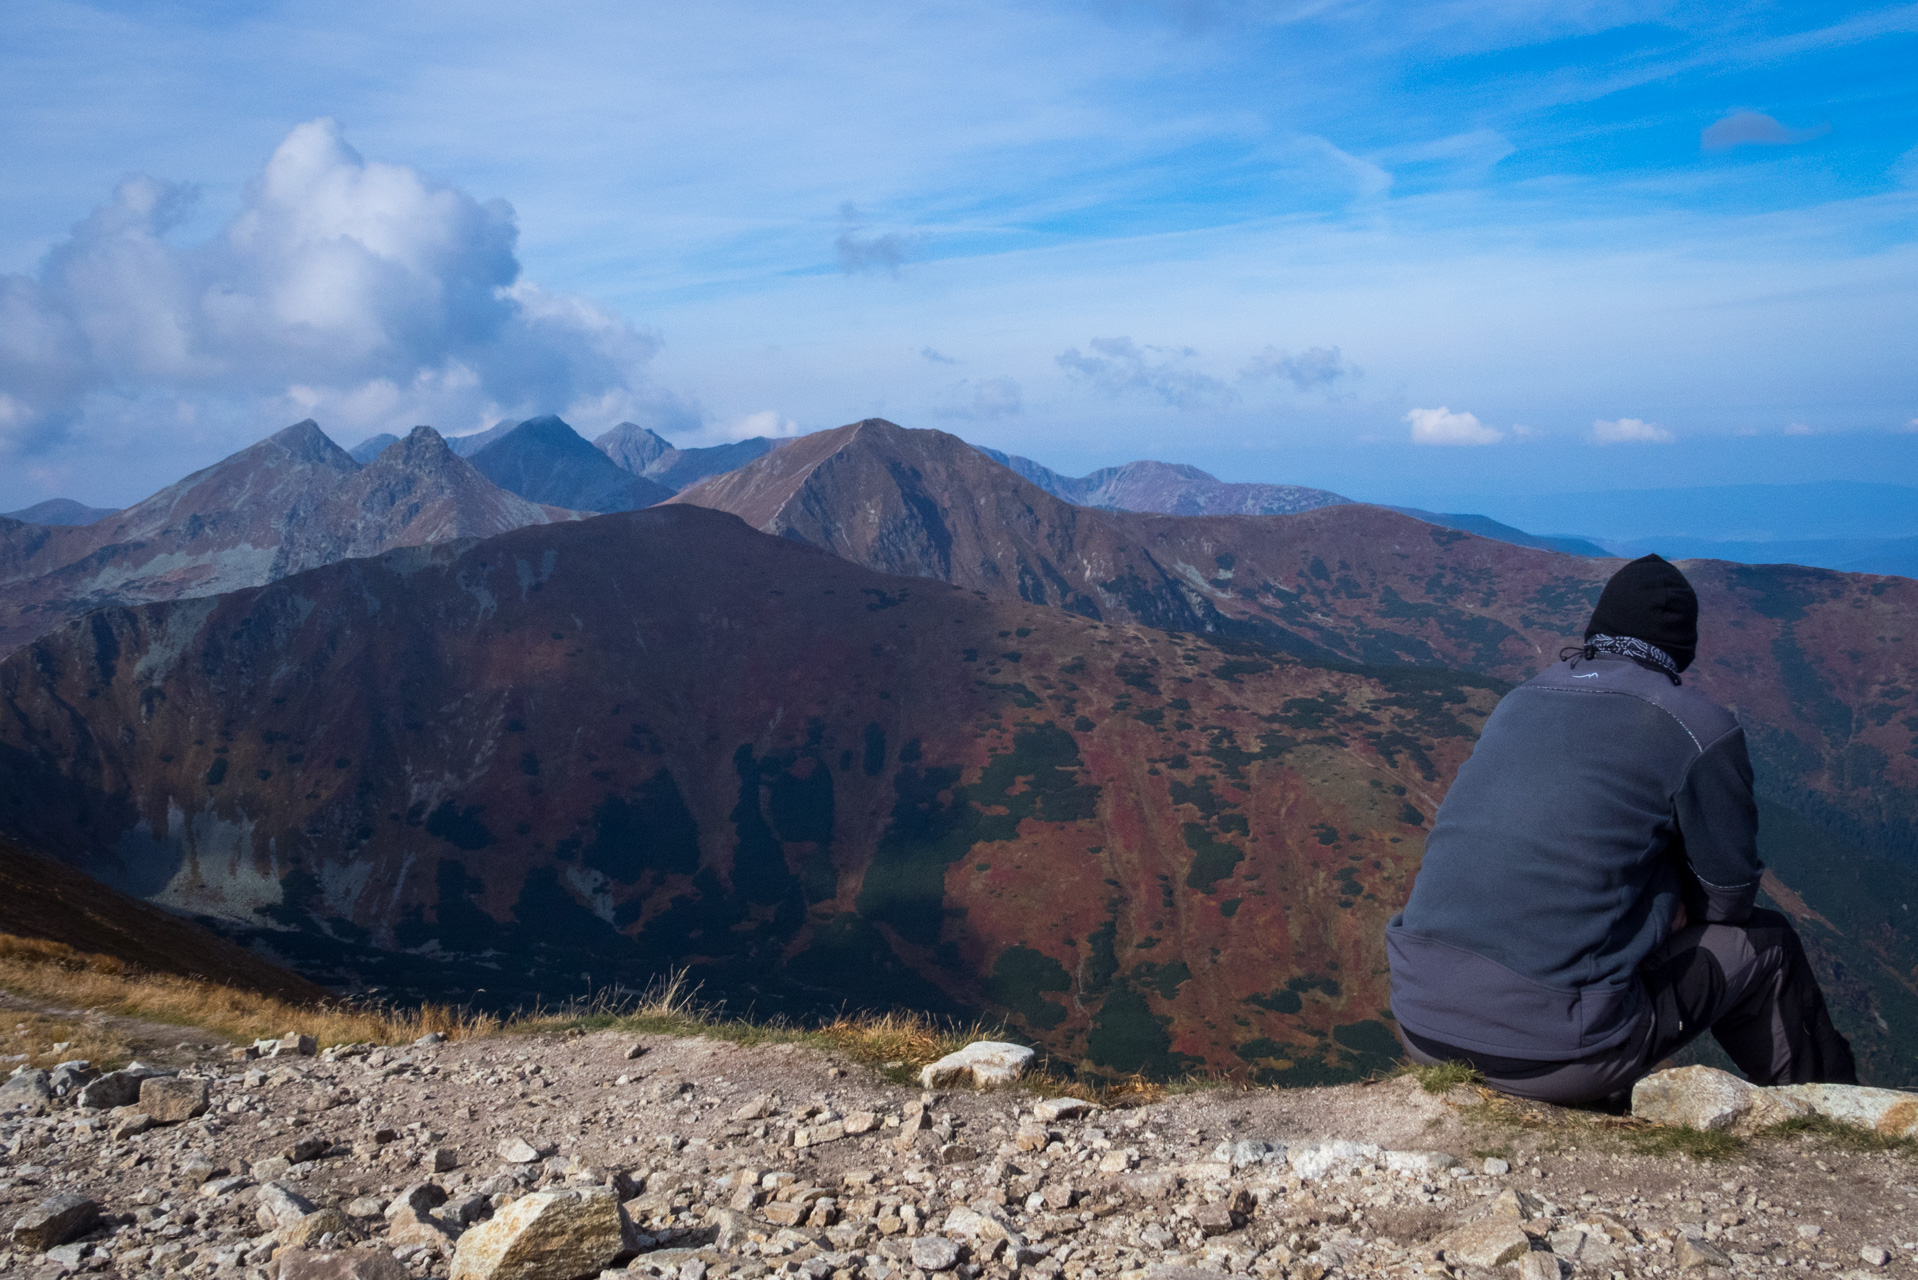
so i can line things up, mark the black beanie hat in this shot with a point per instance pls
(1650, 600)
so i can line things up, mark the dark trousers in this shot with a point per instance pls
(1748, 984)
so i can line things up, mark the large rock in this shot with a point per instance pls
(548, 1235)
(170, 1099)
(935, 1253)
(118, 1088)
(31, 1089)
(1323, 1159)
(982, 1064)
(1486, 1245)
(1886, 1111)
(337, 1264)
(54, 1221)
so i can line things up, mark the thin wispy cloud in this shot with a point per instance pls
(1630, 431)
(1314, 369)
(1753, 128)
(858, 252)
(1119, 366)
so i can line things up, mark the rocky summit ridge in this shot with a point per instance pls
(656, 1157)
(288, 503)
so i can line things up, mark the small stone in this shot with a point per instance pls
(1118, 1161)
(935, 1253)
(337, 1264)
(276, 1206)
(128, 1122)
(558, 1234)
(1031, 1136)
(1418, 1164)
(306, 1233)
(1486, 1245)
(635, 1050)
(984, 1064)
(1053, 1110)
(271, 1167)
(518, 1151)
(758, 1109)
(1516, 1206)
(54, 1221)
(366, 1207)
(1875, 1256)
(1215, 1219)
(732, 1228)
(1538, 1265)
(429, 1040)
(443, 1160)
(219, 1188)
(818, 1134)
(170, 1099)
(858, 1122)
(31, 1089)
(294, 1044)
(1693, 1252)
(1495, 1167)
(305, 1149)
(957, 1153)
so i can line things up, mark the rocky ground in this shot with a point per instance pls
(699, 1159)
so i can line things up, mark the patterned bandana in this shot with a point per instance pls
(1633, 647)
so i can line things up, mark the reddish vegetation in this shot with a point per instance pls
(803, 777)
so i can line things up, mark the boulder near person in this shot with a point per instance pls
(1585, 903)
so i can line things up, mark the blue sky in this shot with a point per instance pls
(1428, 253)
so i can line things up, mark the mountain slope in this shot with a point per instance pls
(1486, 527)
(545, 460)
(60, 511)
(661, 738)
(41, 898)
(288, 503)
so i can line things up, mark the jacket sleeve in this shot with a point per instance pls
(1718, 819)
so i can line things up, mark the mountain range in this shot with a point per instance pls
(644, 452)
(1168, 488)
(288, 503)
(835, 728)
(545, 460)
(59, 511)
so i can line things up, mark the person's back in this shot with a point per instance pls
(1547, 937)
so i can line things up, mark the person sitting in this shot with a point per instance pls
(1585, 904)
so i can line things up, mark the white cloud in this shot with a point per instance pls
(365, 294)
(1119, 366)
(766, 422)
(1442, 426)
(1630, 431)
(1798, 429)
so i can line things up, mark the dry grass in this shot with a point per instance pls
(56, 974)
(1442, 1077)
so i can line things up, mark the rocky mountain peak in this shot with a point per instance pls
(633, 447)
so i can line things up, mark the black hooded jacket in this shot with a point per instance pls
(1557, 861)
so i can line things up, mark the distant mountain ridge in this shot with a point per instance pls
(293, 501)
(543, 459)
(645, 452)
(1167, 488)
(59, 511)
